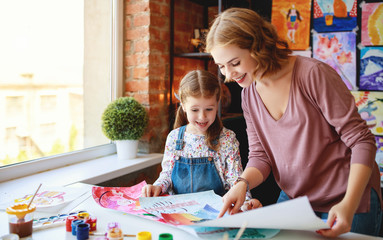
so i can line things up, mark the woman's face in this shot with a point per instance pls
(235, 63)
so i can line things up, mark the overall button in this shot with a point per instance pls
(177, 157)
(210, 159)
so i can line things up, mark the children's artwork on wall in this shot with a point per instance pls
(338, 50)
(335, 15)
(371, 68)
(292, 21)
(302, 53)
(370, 108)
(372, 24)
(379, 155)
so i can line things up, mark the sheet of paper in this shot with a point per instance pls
(48, 199)
(182, 203)
(295, 214)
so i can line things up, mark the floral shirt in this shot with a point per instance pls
(227, 158)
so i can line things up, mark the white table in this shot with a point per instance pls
(131, 224)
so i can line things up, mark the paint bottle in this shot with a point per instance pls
(92, 223)
(68, 223)
(82, 232)
(20, 219)
(144, 236)
(165, 236)
(74, 226)
(114, 231)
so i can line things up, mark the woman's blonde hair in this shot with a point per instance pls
(245, 29)
(200, 83)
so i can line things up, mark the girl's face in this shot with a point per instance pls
(235, 63)
(200, 112)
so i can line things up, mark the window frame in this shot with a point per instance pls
(18, 170)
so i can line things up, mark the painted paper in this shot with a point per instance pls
(371, 69)
(47, 199)
(302, 53)
(124, 199)
(338, 51)
(292, 19)
(335, 15)
(372, 24)
(370, 108)
(275, 216)
(215, 233)
(379, 155)
(189, 203)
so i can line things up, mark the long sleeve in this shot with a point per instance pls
(164, 180)
(231, 165)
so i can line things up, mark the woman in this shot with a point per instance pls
(302, 124)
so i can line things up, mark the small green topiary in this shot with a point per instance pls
(124, 119)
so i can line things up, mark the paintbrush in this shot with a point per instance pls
(34, 195)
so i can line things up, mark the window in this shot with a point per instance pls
(61, 66)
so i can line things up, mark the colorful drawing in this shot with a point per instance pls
(47, 199)
(302, 53)
(338, 51)
(124, 199)
(292, 21)
(372, 24)
(335, 15)
(370, 108)
(379, 155)
(371, 68)
(181, 203)
(219, 233)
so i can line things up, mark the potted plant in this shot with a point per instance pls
(124, 121)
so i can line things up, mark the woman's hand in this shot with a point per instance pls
(233, 199)
(339, 220)
(151, 191)
(251, 204)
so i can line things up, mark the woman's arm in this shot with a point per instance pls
(233, 200)
(341, 215)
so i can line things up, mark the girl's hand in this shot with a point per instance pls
(151, 191)
(233, 199)
(339, 220)
(251, 204)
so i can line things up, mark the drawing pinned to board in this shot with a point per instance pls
(370, 108)
(338, 51)
(372, 24)
(379, 155)
(292, 21)
(335, 15)
(371, 68)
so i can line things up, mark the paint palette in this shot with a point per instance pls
(52, 221)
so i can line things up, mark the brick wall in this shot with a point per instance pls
(146, 63)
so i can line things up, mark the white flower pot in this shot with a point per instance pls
(126, 149)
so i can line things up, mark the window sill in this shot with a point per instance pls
(91, 172)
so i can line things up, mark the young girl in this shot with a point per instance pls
(200, 154)
(302, 124)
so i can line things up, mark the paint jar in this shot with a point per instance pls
(165, 236)
(92, 220)
(75, 223)
(114, 232)
(82, 231)
(68, 223)
(20, 219)
(144, 236)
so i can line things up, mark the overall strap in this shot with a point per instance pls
(180, 140)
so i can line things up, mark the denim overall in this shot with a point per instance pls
(194, 174)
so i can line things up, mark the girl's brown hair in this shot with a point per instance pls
(200, 83)
(246, 29)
